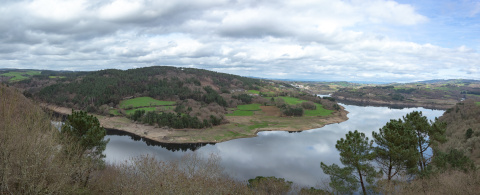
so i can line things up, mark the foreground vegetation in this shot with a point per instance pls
(36, 158)
(404, 148)
(463, 129)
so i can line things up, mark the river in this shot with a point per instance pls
(293, 156)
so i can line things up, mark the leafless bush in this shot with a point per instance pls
(459, 118)
(31, 158)
(450, 182)
(309, 105)
(192, 174)
(279, 102)
(260, 100)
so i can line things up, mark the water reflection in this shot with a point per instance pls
(293, 156)
(169, 146)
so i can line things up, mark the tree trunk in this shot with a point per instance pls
(389, 170)
(389, 173)
(421, 163)
(361, 182)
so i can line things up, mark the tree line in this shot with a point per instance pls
(176, 121)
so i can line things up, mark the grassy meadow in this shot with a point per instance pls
(18, 76)
(144, 102)
(320, 111)
(245, 110)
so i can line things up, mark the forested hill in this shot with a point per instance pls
(433, 94)
(109, 87)
(463, 129)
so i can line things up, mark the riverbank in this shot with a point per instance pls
(425, 103)
(238, 126)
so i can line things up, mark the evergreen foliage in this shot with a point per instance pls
(355, 154)
(292, 110)
(342, 180)
(468, 133)
(270, 185)
(428, 134)
(111, 86)
(86, 130)
(245, 98)
(395, 149)
(453, 159)
(177, 121)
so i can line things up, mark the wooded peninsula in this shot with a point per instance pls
(180, 105)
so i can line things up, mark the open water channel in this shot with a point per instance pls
(293, 156)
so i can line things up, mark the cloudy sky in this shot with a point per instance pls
(352, 40)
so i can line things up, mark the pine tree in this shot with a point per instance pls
(396, 148)
(429, 134)
(356, 154)
(86, 131)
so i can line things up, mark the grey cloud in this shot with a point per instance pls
(276, 39)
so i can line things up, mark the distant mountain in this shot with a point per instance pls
(445, 81)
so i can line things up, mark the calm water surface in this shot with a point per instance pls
(293, 156)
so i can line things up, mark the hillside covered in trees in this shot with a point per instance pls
(463, 129)
(179, 98)
(98, 88)
(440, 94)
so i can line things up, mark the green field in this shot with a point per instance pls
(250, 107)
(478, 103)
(257, 125)
(57, 77)
(144, 102)
(18, 76)
(245, 110)
(442, 88)
(253, 92)
(268, 94)
(292, 100)
(241, 113)
(320, 111)
(114, 112)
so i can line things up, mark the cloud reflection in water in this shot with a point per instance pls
(293, 156)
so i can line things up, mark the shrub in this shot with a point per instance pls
(308, 105)
(468, 133)
(31, 162)
(293, 111)
(270, 185)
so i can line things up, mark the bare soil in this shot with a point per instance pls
(271, 110)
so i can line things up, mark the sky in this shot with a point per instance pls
(322, 40)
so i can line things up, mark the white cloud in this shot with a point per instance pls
(124, 10)
(304, 39)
